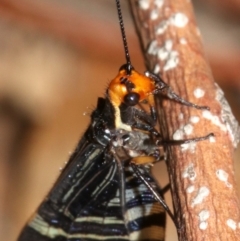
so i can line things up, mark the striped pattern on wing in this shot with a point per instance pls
(85, 204)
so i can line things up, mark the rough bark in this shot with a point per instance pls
(201, 174)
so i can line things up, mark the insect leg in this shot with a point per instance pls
(145, 127)
(163, 87)
(156, 194)
(153, 111)
(161, 142)
(147, 122)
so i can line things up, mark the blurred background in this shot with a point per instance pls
(56, 58)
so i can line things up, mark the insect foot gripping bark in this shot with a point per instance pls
(106, 191)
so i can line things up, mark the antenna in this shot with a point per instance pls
(128, 65)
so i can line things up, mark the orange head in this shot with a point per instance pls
(130, 87)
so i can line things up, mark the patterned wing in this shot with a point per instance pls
(77, 206)
(86, 204)
(146, 217)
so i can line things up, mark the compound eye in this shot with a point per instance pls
(131, 99)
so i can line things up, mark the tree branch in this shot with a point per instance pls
(201, 174)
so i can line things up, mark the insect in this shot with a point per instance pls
(106, 192)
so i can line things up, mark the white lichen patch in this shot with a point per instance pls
(168, 45)
(180, 116)
(154, 14)
(198, 93)
(156, 69)
(223, 176)
(194, 119)
(188, 129)
(158, 3)
(212, 139)
(165, 50)
(144, 4)
(189, 173)
(232, 224)
(165, 53)
(172, 61)
(214, 119)
(178, 134)
(189, 147)
(203, 225)
(179, 20)
(204, 215)
(190, 189)
(228, 118)
(153, 47)
(203, 192)
(183, 41)
(162, 53)
(161, 27)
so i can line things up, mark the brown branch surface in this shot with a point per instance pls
(201, 175)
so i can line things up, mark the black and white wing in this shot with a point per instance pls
(85, 204)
